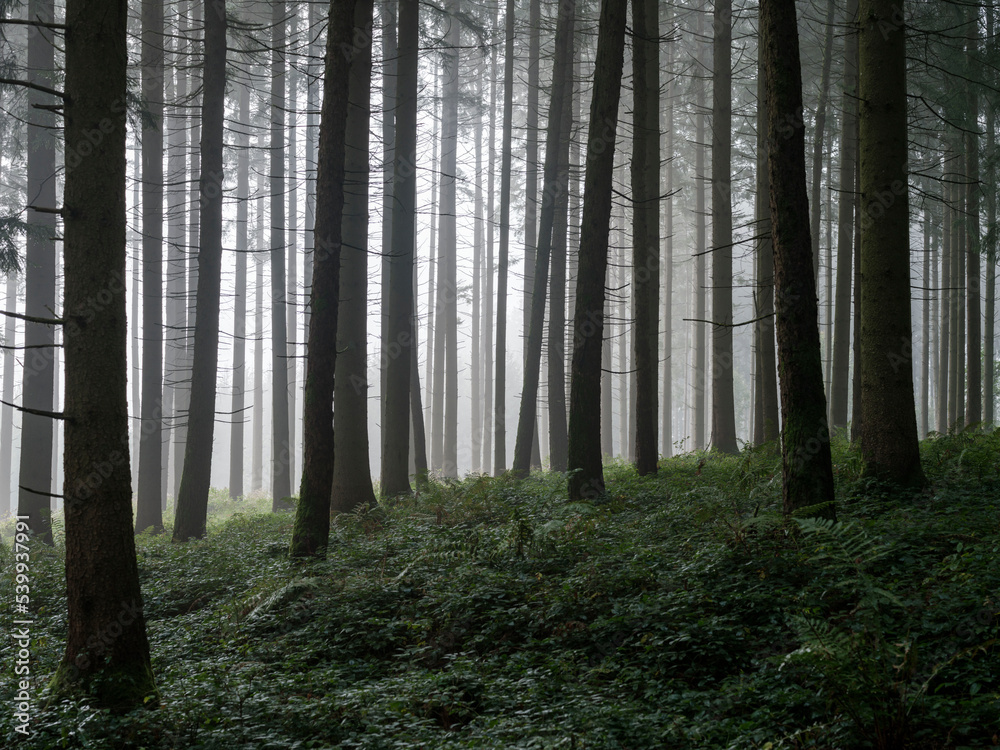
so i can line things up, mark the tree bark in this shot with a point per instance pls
(818, 135)
(556, 152)
(646, 232)
(807, 470)
(500, 401)
(312, 513)
(839, 401)
(587, 476)
(192, 500)
(352, 478)
(700, 349)
(240, 304)
(281, 479)
(723, 408)
(38, 374)
(7, 495)
(974, 347)
(531, 188)
(389, 68)
(396, 351)
(889, 446)
(102, 578)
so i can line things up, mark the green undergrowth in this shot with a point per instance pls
(680, 611)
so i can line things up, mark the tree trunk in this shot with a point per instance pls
(974, 348)
(925, 330)
(667, 404)
(807, 471)
(955, 379)
(500, 401)
(587, 477)
(839, 401)
(556, 153)
(396, 351)
(989, 333)
(944, 340)
(490, 232)
(700, 350)
(646, 233)
(766, 426)
(102, 578)
(291, 277)
(240, 303)
(475, 404)
(889, 446)
(192, 500)
(148, 501)
(389, 67)
(531, 189)
(723, 408)
(312, 513)
(38, 374)
(556, 355)
(352, 478)
(818, 135)
(281, 479)
(257, 448)
(7, 494)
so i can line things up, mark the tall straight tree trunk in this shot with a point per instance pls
(389, 69)
(500, 401)
(102, 577)
(839, 401)
(646, 233)
(447, 270)
(889, 446)
(281, 479)
(395, 426)
(487, 345)
(925, 330)
(556, 354)
(556, 152)
(700, 349)
(723, 407)
(475, 404)
(192, 500)
(818, 134)
(989, 333)
(807, 470)
(240, 309)
(955, 380)
(257, 447)
(667, 405)
(313, 70)
(944, 340)
(176, 305)
(435, 296)
(135, 252)
(292, 275)
(312, 513)
(38, 374)
(587, 477)
(7, 495)
(974, 348)
(531, 185)
(767, 422)
(148, 501)
(352, 478)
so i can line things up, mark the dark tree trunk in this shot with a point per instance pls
(102, 578)
(700, 349)
(399, 340)
(723, 407)
(192, 500)
(7, 495)
(646, 233)
(291, 276)
(148, 500)
(991, 256)
(974, 349)
(388, 157)
(556, 152)
(531, 188)
(312, 513)
(587, 479)
(490, 235)
(815, 202)
(839, 401)
(240, 304)
(500, 438)
(281, 479)
(257, 448)
(352, 478)
(807, 471)
(889, 447)
(38, 374)
(767, 422)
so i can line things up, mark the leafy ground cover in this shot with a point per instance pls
(681, 611)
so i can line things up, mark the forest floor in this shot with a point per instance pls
(681, 612)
